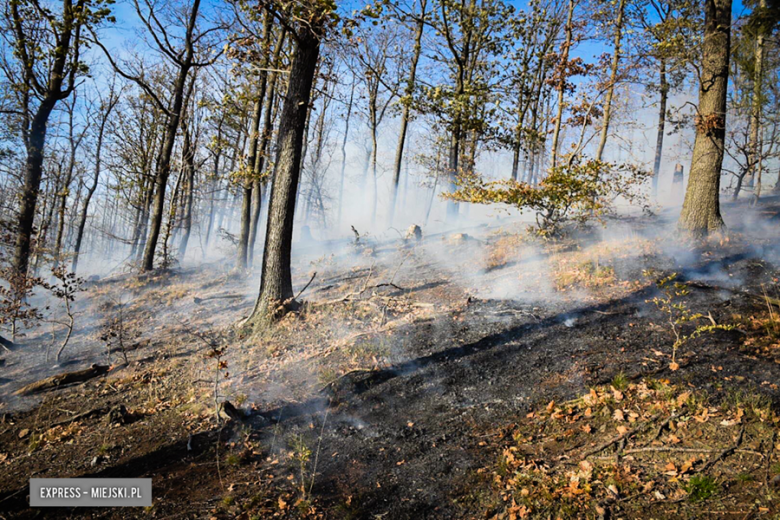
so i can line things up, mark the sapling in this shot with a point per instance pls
(66, 289)
(677, 312)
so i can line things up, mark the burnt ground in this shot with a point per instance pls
(391, 395)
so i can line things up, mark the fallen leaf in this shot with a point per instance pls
(674, 366)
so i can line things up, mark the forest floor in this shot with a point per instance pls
(479, 374)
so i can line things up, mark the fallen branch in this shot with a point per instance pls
(725, 453)
(85, 415)
(669, 449)
(198, 301)
(603, 446)
(59, 380)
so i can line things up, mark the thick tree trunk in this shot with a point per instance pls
(276, 285)
(701, 210)
(659, 139)
(32, 183)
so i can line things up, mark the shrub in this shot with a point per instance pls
(576, 192)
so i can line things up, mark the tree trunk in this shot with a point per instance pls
(172, 127)
(188, 151)
(755, 112)
(91, 189)
(32, 183)
(701, 210)
(265, 140)
(276, 285)
(410, 84)
(344, 153)
(247, 185)
(612, 80)
(659, 139)
(560, 87)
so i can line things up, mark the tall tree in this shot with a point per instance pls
(406, 101)
(107, 106)
(47, 45)
(701, 209)
(307, 23)
(194, 50)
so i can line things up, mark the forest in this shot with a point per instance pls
(405, 259)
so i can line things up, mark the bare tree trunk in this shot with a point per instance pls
(612, 80)
(659, 139)
(276, 285)
(755, 112)
(112, 101)
(410, 84)
(344, 152)
(158, 209)
(188, 151)
(560, 87)
(701, 210)
(265, 139)
(32, 182)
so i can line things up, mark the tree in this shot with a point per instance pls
(307, 23)
(194, 51)
(668, 28)
(700, 215)
(473, 34)
(107, 105)
(47, 47)
(406, 101)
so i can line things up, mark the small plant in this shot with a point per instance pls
(301, 454)
(67, 287)
(15, 308)
(115, 334)
(620, 381)
(678, 314)
(701, 487)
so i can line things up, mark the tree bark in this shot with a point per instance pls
(755, 112)
(701, 210)
(91, 189)
(265, 140)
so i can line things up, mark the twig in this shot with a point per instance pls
(601, 447)
(306, 286)
(725, 453)
(666, 423)
(669, 449)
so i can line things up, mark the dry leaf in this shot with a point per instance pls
(674, 366)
